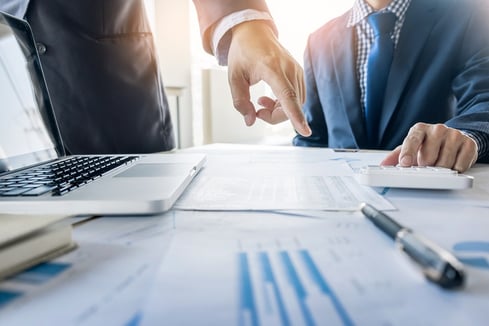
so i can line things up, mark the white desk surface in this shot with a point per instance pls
(261, 267)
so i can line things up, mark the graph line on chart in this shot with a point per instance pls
(473, 253)
(285, 287)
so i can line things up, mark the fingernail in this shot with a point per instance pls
(248, 119)
(306, 128)
(407, 160)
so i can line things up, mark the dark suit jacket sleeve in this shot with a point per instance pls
(211, 11)
(312, 108)
(471, 84)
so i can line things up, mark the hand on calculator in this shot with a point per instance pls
(435, 145)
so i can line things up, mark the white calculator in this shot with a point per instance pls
(418, 177)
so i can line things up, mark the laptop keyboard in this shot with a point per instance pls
(60, 177)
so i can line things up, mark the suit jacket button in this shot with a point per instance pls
(41, 48)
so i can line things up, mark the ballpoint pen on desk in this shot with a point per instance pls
(437, 264)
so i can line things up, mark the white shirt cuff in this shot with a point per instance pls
(221, 37)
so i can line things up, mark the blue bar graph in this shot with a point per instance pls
(297, 285)
(41, 273)
(480, 246)
(476, 248)
(478, 262)
(298, 272)
(8, 296)
(269, 278)
(325, 288)
(247, 300)
(36, 275)
(135, 320)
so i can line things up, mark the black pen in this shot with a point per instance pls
(438, 265)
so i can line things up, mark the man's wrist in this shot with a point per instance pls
(481, 140)
(222, 32)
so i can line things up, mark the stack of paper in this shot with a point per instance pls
(28, 240)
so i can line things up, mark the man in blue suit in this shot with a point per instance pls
(436, 100)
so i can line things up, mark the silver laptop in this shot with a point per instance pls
(35, 174)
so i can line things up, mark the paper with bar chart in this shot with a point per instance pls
(277, 270)
(103, 282)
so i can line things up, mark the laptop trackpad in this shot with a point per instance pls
(152, 170)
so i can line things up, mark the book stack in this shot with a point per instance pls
(29, 240)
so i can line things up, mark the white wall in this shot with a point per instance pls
(171, 21)
(221, 122)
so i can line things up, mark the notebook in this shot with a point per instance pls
(27, 240)
(36, 175)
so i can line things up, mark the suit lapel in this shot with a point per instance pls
(417, 26)
(343, 50)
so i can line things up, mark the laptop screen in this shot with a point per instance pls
(28, 132)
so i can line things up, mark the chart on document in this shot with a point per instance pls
(473, 253)
(252, 269)
(330, 280)
(105, 278)
(279, 286)
(31, 278)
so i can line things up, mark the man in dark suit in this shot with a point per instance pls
(101, 68)
(436, 94)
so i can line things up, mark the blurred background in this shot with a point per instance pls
(198, 90)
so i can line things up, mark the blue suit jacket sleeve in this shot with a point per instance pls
(471, 85)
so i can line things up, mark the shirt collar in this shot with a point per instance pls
(361, 10)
